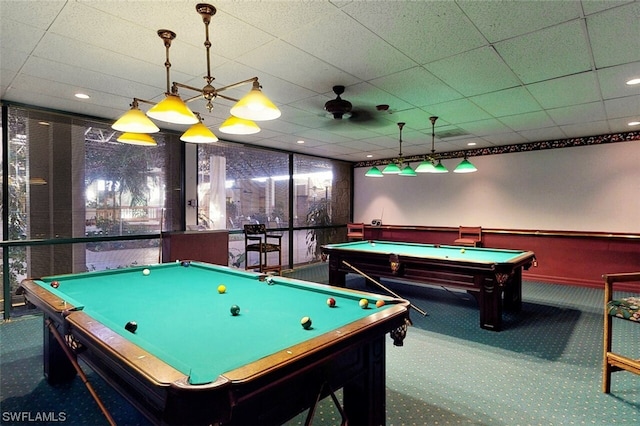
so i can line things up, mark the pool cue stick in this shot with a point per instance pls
(160, 249)
(383, 287)
(75, 364)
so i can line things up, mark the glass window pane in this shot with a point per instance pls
(239, 185)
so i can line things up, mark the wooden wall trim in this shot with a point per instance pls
(564, 257)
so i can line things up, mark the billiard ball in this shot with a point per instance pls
(364, 303)
(305, 322)
(185, 263)
(235, 310)
(146, 271)
(131, 326)
(461, 250)
(55, 284)
(331, 302)
(379, 303)
(222, 288)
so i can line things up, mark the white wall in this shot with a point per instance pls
(588, 188)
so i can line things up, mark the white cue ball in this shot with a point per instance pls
(145, 271)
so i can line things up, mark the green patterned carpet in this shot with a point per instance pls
(543, 369)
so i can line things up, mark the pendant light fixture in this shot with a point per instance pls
(199, 133)
(397, 167)
(254, 106)
(143, 139)
(426, 166)
(374, 172)
(465, 166)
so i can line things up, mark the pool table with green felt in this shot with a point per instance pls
(487, 273)
(190, 361)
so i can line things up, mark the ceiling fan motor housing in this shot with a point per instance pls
(338, 107)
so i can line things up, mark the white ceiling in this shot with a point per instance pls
(495, 72)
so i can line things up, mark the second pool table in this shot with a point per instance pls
(191, 361)
(487, 273)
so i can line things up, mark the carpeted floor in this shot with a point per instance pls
(543, 369)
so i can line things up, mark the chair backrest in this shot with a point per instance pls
(255, 228)
(471, 232)
(355, 230)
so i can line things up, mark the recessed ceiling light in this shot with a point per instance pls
(369, 155)
(300, 142)
(471, 144)
(44, 123)
(633, 81)
(81, 96)
(634, 123)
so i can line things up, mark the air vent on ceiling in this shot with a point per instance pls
(453, 133)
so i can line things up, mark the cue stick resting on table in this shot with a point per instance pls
(383, 287)
(84, 378)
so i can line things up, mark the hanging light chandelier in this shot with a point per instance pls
(397, 166)
(254, 106)
(428, 164)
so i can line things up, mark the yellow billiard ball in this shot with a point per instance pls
(461, 250)
(364, 303)
(222, 288)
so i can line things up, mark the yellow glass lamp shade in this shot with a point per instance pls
(173, 110)
(143, 139)
(135, 121)
(198, 133)
(255, 106)
(239, 126)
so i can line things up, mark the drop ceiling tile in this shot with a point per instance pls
(537, 56)
(501, 20)
(23, 11)
(309, 72)
(586, 129)
(623, 107)
(617, 26)
(506, 102)
(425, 88)
(346, 44)
(438, 29)
(471, 73)
(577, 113)
(459, 111)
(565, 91)
(613, 80)
(544, 134)
(528, 121)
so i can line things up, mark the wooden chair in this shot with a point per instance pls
(469, 236)
(355, 231)
(626, 308)
(258, 240)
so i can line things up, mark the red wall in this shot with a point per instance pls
(563, 257)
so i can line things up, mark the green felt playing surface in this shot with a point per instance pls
(183, 319)
(470, 254)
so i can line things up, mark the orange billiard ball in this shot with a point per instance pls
(379, 303)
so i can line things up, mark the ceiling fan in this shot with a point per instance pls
(342, 109)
